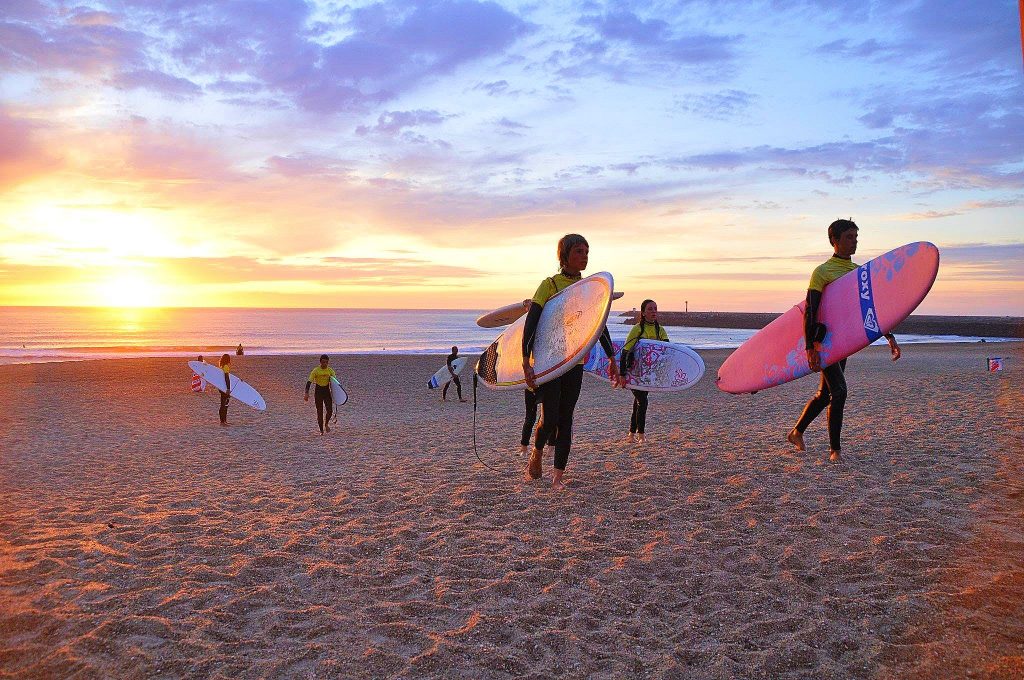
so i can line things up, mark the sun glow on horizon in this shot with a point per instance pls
(130, 289)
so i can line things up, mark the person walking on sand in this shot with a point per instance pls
(225, 397)
(454, 379)
(842, 234)
(558, 397)
(648, 328)
(321, 377)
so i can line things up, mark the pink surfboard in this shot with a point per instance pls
(857, 309)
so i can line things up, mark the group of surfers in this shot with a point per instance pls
(557, 398)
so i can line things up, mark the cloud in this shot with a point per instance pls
(170, 86)
(23, 156)
(60, 42)
(983, 261)
(719, 105)
(393, 122)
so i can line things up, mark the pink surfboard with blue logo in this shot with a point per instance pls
(857, 309)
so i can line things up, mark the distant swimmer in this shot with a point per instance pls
(225, 397)
(648, 328)
(454, 376)
(559, 396)
(239, 351)
(842, 234)
(321, 377)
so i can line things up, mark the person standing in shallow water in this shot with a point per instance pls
(842, 234)
(648, 328)
(225, 397)
(558, 397)
(321, 377)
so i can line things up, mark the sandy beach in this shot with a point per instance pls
(139, 539)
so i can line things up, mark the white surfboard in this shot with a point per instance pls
(338, 394)
(572, 321)
(442, 376)
(240, 390)
(658, 366)
(503, 316)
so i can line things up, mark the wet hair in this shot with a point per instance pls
(565, 246)
(836, 229)
(454, 348)
(324, 357)
(225, 359)
(657, 326)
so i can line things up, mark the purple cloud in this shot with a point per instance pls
(718, 105)
(170, 86)
(392, 123)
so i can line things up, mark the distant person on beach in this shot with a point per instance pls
(454, 379)
(842, 234)
(239, 351)
(321, 377)
(648, 328)
(558, 397)
(225, 397)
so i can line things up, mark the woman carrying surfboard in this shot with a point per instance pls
(558, 397)
(225, 397)
(842, 234)
(648, 328)
(321, 377)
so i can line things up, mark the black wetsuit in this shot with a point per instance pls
(224, 399)
(558, 396)
(455, 378)
(832, 388)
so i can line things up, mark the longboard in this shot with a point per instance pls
(857, 309)
(658, 366)
(503, 316)
(572, 321)
(240, 390)
(443, 375)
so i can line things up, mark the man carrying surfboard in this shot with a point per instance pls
(842, 234)
(559, 396)
(455, 376)
(321, 377)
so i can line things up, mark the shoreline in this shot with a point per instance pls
(915, 324)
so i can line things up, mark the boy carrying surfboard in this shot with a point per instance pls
(842, 234)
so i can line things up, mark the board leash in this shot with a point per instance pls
(475, 451)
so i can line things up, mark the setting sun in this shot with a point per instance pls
(128, 290)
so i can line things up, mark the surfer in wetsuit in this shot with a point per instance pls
(842, 234)
(558, 397)
(454, 379)
(648, 328)
(225, 397)
(321, 376)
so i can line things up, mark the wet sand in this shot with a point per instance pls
(139, 539)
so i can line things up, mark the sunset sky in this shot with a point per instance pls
(430, 154)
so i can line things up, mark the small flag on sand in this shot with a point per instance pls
(995, 364)
(198, 384)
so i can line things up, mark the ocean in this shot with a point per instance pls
(41, 334)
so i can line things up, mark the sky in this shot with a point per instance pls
(302, 153)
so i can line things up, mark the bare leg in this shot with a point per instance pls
(533, 468)
(796, 438)
(556, 480)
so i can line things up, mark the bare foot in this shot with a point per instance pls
(640, 439)
(556, 481)
(522, 449)
(630, 438)
(796, 439)
(834, 457)
(327, 428)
